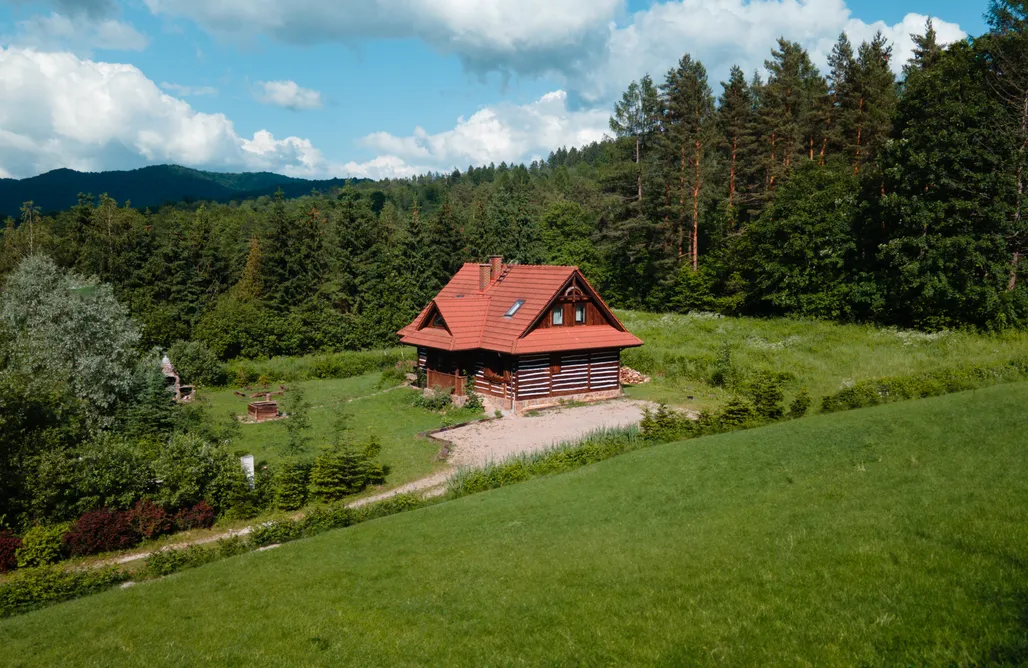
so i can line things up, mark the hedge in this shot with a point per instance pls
(30, 588)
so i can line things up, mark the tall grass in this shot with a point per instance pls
(705, 352)
(316, 367)
(595, 446)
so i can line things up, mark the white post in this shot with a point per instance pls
(247, 463)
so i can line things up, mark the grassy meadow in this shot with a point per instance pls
(681, 353)
(375, 408)
(892, 535)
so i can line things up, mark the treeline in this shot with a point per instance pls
(848, 195)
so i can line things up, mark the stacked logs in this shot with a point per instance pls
(630, 376)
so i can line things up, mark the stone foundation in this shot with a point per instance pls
(552, 402)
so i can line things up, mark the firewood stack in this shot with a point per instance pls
(630, 376)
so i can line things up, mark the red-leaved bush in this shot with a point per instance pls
(149, 520)
(101, 530)
(9, 544)
(200, 516)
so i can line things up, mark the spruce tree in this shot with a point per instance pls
(875, 90)
(736, 119)
(841, 108)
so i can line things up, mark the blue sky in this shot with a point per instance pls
(360, 87)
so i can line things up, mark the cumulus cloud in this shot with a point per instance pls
(79, 32)
(288, 94)
(522, 36)
(63, 111)
(722, 33)
(500, 133)
(580, 42)
(188, 91)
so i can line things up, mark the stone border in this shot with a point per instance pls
(446, 445)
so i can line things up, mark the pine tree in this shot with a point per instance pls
(875, 90)
(688, 125)
(926, 50)
(791, 109)
(736, 117)
(840, 122)
(636, 117)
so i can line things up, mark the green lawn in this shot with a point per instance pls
(895, 535)
(680, 350)
(385, 414)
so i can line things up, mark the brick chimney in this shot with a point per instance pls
(483, 276)
(495, 266)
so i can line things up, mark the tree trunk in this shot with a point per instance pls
(696, 210)
(1016, 255)
(681, 206)
(638, 171)
(860, 127)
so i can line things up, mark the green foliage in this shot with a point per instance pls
(31, 588)
(42, 545)
(291, 482)
(196, 364)
(311, 367)
(345, 470)
(723, 371)
(434, 399)
(68, 334)
(172, 560)
(876, 391)
(764, 390)
(298, 421)
(191, 469)
(800, 404)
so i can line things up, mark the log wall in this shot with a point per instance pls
(562, 374)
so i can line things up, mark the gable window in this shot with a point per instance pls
(437, 321)
(557, 316)
(514, 309)
(579, 314)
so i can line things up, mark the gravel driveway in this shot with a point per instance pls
(485, 442)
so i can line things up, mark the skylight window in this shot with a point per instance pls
(514, 309)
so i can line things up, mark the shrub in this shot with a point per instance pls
(799, 405)
(33, 587)
(150, 520)
(665, 424)
(764, 390)
(291, 485)
(723, 372)
(168, 561)
(876, 391)
(101, 530)
(196, 364)
(314, 367)
(393, 375)
(435, 399)
(200, 516)
(9, 544)
(321, 520)
(474, 400)
(345, 470)
(267, 533)
(41, 545)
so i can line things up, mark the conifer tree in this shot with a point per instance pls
(841, 109)
(688, 124)
(875, 90)
(926, 50)
(736, 119)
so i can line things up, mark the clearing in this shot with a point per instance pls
(893, 535)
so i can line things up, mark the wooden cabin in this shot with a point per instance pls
(529, 335)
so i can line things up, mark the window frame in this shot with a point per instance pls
(515, 307)
(580, 307)
(557, 316)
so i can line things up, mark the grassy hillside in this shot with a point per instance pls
(682, 351)
(894, 535)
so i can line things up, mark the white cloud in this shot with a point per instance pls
(578, 41)
(500, 133)
(288, 94)
(63, 111)
(80, 33)
(188, 91)
(722, 33)
(510, 35)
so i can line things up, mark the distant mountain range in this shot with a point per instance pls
(150, 187)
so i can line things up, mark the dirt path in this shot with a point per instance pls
(477, 445)
(489, 442)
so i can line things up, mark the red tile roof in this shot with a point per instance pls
(475, 318)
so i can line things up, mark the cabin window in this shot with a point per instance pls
(437, 321)
(514, 309)
(557, 316)
(579, 314)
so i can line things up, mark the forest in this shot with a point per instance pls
(850, 195)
